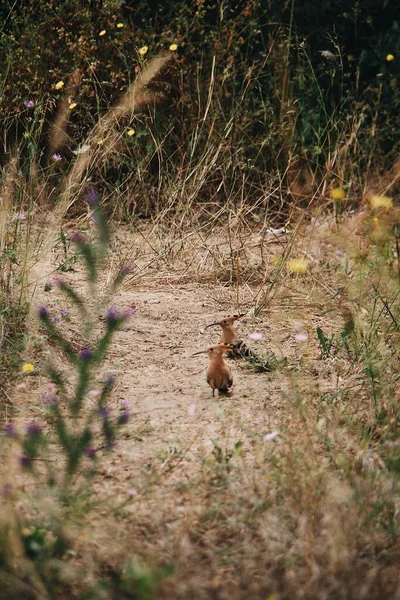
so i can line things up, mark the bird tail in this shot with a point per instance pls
(240, 350)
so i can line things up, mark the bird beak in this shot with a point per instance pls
(211, 325)
(201, 352)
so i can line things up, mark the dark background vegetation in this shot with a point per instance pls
(278, 104)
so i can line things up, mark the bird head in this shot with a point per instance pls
(216, 349)
(226, 321)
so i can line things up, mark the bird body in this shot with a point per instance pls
(228, 335)
(219, 375)
(237, 347)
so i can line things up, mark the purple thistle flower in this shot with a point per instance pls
(21, 216)
(10, 430)
(123, 418)
(34, 429)
(49, 400)
(112, 317)
(77, 237)
(92, 197)
(125, 404)
(29, 103)
(110, 379)
(43, 313)
(25, 461)
(128, 269)
(56, 156)
(57, 319)
(90, 452)
(104, 412)
(85, 354)
(64, 312)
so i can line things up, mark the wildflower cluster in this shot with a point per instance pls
(62, 400)
(383, 202)
(338, 194)
(297, 265)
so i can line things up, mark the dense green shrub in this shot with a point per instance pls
(254, 84)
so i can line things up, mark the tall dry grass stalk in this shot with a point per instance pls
(7, 194)
(16, 244)
(95, 152)
(134, 98)
(58, 129)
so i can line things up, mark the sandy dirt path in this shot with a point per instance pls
(175, 419)
(172, 406)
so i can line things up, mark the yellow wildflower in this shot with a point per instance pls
(297, 265)
(59, 85)
(131, 132)
(338, 193)
(100, 142)
(28, 368)
(389, 57)
(143, 50)
(102, 32)
(381, 202)
(173, 47)
(375, 220)
(120, 25)
(72, 105)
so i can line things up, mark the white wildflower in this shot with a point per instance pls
(271, 436)
(82, 150)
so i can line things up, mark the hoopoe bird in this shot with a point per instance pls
(239, 349)
(219, 375)
(228, 333)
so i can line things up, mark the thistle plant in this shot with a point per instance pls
(80, 428)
